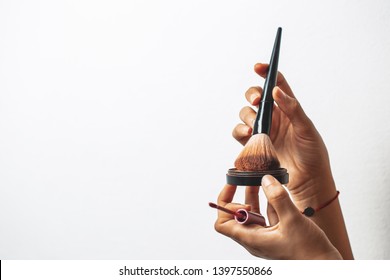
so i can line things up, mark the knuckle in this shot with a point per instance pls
(236, 131)
(277, 194)
(281, 78)
(244, 112)
(295, 105)
(252, 90)
(240, 132)
(217, 226)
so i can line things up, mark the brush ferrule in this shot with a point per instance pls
(263, 119)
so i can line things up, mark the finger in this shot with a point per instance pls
(253, 95)
(226, 195)
(292, 109)
(278, 197)
(262, 70)
(242, 133)
(276, 120)
(243, 234)
(252, 198)
(272, 216)
(227, 218)
(248, 115)
(225, 200)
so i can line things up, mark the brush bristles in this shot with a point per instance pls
(258, 154)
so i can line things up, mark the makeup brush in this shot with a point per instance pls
(242, 216)
(259, 153)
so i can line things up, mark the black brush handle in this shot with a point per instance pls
(263, 119)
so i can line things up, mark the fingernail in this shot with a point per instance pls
(267, 180)
(249, 131)
(248, 207)
(279, 95)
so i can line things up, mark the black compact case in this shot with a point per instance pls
(253, 178)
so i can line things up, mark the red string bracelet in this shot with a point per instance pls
(309, 211)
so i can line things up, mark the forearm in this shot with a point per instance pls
(331, 221)
(330, 218)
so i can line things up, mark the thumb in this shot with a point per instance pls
(292, 109)
(279, 198)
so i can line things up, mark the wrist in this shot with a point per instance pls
(314, 192)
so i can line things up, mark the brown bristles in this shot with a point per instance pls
(258, 154)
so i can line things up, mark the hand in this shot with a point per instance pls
(298, 144)
(302, 152)
(290, 234)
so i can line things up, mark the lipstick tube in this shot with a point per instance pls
(245, 217)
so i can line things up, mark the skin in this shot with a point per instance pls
(302, 152)
(290, 234)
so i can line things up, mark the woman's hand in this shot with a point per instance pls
(302, 152)
(290, 234)
(298, 144)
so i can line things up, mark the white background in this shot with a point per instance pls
(116, 119)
